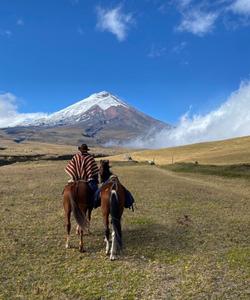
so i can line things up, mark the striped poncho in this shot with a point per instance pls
(82, 166)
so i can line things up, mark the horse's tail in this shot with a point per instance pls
(116, 217)
(80, 216)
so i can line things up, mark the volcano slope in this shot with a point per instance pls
(187, 239)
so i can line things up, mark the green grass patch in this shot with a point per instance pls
(141, 221)
(239, 257)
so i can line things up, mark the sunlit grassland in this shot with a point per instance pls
(27, 148)
(233, 171)
(167, 255)
(233, 151)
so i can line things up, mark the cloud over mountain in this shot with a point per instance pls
(231, 119)
(9, 115)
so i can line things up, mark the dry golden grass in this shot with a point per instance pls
(39, 148)
(233, 151)
(166, 256)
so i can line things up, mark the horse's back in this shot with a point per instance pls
(106, 196)
(80, 191)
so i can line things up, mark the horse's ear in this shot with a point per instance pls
(101, 161)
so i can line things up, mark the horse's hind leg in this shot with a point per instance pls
(89, 214)
(81, 248)
(68, 227)
(89, 211)
(113, 251)
(116, 246)
(107, 234)
(77, 230)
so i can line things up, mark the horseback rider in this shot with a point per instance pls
(83, 167)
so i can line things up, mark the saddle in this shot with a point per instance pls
(112, 179)
(74, 183)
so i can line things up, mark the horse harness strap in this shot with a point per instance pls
(112, 179)
(82, 180)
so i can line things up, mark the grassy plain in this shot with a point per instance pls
(240, 170)
(27, 148)
(187, 239)
(233, 151)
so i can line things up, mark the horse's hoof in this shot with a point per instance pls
(67, 246)
(113, 257)
(82, 250)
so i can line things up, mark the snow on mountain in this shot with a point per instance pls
(98, 119)
(103, 99)
(78, 111)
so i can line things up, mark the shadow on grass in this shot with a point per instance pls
(158, 241)
(147, 241)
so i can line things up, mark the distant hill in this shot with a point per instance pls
(232, 151)
(100, 118)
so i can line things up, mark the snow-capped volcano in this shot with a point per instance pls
(78, 112)
(100, 117)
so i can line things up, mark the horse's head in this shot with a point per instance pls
(104, 170)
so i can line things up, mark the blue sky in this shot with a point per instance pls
(163, 57)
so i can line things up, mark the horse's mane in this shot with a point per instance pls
(106, 173)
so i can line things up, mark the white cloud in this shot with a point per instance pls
(9, 115)
(198, 22)
(114, 21)
(7, 105)
(241, 7)
(231, 119)
(200, 17)
(184, 3)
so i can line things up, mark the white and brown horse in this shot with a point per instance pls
(112, 195)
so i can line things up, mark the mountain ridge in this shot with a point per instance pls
(99, 118)
(102, 99)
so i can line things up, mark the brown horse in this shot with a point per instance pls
(112, 195)
(77, 199)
